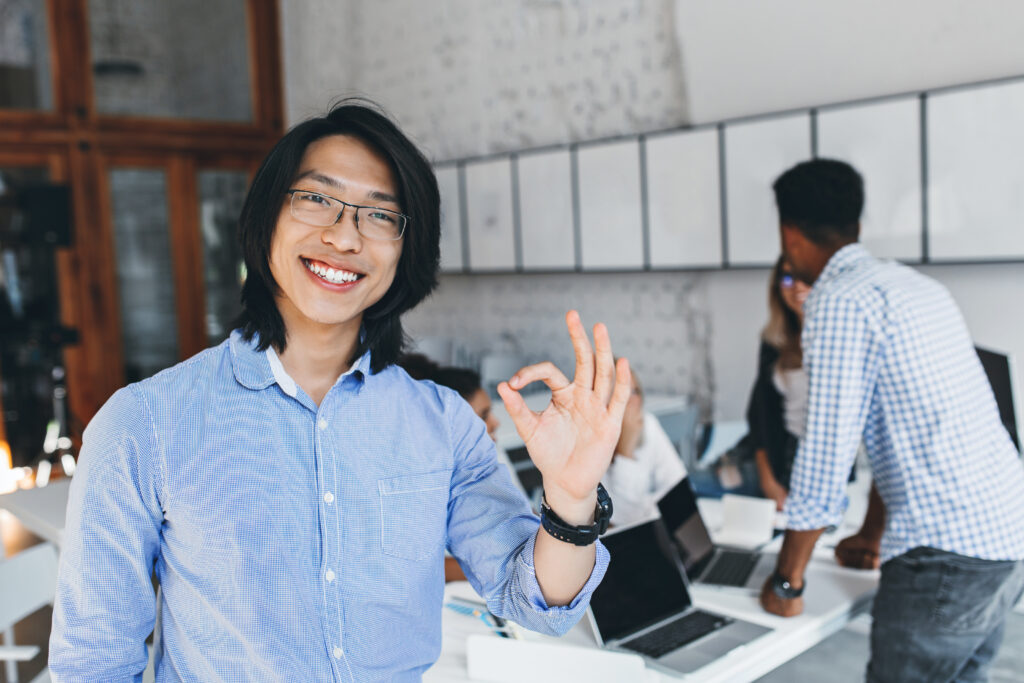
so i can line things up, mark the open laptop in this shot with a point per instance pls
(643, 605)
(706, 563)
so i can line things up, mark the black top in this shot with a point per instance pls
(766, 420)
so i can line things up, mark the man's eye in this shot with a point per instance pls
(382, 217)
(314, 199)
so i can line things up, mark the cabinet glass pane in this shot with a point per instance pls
(221, 194)
(29, 313)
(24, 55)
(183, 59)
(145, 276)
(976, 173)
(756, 153)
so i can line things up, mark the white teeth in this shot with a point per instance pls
(331, 275)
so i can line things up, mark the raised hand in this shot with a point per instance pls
(572, 440)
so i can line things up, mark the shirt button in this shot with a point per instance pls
(329, 576)
(322, 423)
(337, 653)
(328, 497)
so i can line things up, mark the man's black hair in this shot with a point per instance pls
(823, 198)
(418, 197)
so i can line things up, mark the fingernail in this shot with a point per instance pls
(514, 380)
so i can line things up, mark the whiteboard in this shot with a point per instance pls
(756, 153)
(683, 200)
(882, 141)
(545, 210)
(976, 173)
(489, 215)
(451, 219)
(611, 228)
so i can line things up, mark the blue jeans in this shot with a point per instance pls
(939, 616)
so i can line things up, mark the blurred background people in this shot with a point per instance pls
(761, 463)
(645, 465)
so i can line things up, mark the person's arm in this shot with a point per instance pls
(862, 550)
(571, 442)
(105, 606)
(770, 486)
(841, 356)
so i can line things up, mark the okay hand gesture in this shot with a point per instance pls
(572, 440)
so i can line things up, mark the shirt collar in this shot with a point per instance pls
(259, 369)
(843, 260)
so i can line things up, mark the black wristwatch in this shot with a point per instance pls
(784, 589)
(578, 535)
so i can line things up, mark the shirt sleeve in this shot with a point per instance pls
(105, 605)
(491, 531)
(841, 354)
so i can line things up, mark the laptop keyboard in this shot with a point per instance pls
(730, 568)
(677, 633)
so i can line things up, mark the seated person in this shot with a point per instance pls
(761, 463)
(645, 466)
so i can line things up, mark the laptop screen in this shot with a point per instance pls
(644, 583)
(682, 519)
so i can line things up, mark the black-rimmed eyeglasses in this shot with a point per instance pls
(372, 222)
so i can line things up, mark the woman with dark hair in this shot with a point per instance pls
(762, 462)
(294, 490)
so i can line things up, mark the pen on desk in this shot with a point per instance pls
(493, 622)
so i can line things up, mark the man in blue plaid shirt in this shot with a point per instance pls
(891, 362)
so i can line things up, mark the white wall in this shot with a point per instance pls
(743, 57)
(477, 76)
(468, 77)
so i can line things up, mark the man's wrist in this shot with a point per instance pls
(571, 509)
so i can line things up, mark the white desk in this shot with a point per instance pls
(833, 597)
(41, 510)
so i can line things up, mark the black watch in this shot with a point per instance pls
(784, 589)
(578, 535)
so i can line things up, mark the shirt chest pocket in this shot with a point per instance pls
(414, 514)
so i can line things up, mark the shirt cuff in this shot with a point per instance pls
(535, 599)
(803, 514)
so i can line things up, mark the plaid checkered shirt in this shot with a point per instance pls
(891, 362)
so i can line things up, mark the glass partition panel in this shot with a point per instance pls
(221, 194)
(184, 59)
(24, 55)
(145, 273)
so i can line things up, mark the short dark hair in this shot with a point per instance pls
(462, 380)
(418, 196)
(823, 198)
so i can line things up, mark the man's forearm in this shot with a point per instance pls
(797, 547)
(563, 568)
(874, 518)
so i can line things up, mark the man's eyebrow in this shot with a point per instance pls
(321, 178)
(374, 195)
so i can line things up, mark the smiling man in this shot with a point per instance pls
(292, 489)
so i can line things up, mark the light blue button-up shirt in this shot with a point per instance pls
(292, 542)
(890, 359)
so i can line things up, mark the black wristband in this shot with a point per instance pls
(784, 589)
(578, 535)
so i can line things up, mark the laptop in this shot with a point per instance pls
(643, 605)
(706, 563)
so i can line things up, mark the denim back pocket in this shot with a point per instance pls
(414, 514)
